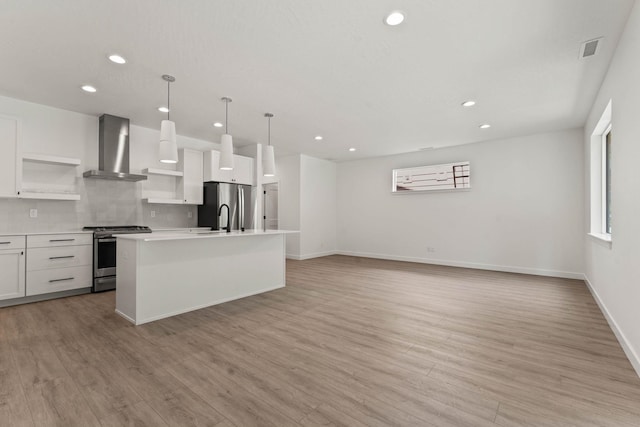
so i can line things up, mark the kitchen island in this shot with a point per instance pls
(168, 273)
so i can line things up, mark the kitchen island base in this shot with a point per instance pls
(159, 276)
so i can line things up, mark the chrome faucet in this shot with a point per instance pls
(228, 216)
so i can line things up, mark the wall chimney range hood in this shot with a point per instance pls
(113, 151)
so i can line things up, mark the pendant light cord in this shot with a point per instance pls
(168, 98)
(226, 116)
(269, 130)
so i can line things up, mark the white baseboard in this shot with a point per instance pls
(309, 256)
(478, 266)
(622, 339)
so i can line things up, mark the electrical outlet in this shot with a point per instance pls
(153, 214)
(189, 214)
(430, 249)
(33, 213)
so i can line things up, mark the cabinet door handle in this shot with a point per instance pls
(62, 240)
(61, 280)
(5, 243)
(62, 257)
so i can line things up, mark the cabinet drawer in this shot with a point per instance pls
(11, 242)
(48, 240)
(58, 279)
(59, 257)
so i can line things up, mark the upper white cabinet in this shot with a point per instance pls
(31, 175)
(9, 166)
(12, 266)
(48, 177)
(176, 187)
(242, 172)
(161, 186)
(190, 183)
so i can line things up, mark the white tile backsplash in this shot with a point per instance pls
(102, 203)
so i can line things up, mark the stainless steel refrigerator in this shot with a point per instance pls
(239, 198)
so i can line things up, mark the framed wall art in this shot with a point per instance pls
(450, 176)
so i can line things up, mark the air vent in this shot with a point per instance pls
(589, 48)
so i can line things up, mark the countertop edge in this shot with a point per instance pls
(156, 237)
(40, 233)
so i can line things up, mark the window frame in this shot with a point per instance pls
(606, 181)
(598, 179)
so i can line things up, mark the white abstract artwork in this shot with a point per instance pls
(450, 176)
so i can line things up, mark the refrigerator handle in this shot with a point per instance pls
(241, 193)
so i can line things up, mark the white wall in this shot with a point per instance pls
(288, 172)
(48, 130)
(307, 202)
(524, 212)
(613, 272)
(317, 207)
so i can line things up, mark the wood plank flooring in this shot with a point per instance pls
(349, 342)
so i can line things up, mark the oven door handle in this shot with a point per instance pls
(109, 240)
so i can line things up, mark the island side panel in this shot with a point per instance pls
(126, 278)
(177, 276)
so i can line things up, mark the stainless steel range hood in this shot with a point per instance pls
(113, 151)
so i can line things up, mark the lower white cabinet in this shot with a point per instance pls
(12, 267)
(58, 257)
(58, 279)
(58, 262)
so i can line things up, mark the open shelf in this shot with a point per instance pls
(164, 201)
(47, 177)
(157, 171)
(49, 196)
(50, 160)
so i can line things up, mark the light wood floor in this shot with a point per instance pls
(349, 341)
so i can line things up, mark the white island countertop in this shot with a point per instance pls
(198, 234)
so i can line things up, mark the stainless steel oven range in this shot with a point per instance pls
(104, 253)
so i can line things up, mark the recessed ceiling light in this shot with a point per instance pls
(117, 59)
(485, 126)
(88, 88)
(468, 103)
(163, 109)
(218, 124)
(318, 138)
(394, 18)
(352, 149)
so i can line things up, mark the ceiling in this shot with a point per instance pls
(328, 67)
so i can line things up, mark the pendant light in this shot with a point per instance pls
(168, 145)
(268, 157)
(226, 142)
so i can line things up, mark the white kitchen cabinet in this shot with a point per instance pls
(12, 266)
(51, 240)
(49, 177)
(160, 188)
(9, 153)
(59, 262)
(242, 172)
(176, 187)
(190, 183)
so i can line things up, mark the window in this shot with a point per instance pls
(606, 182)
(600, 172)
